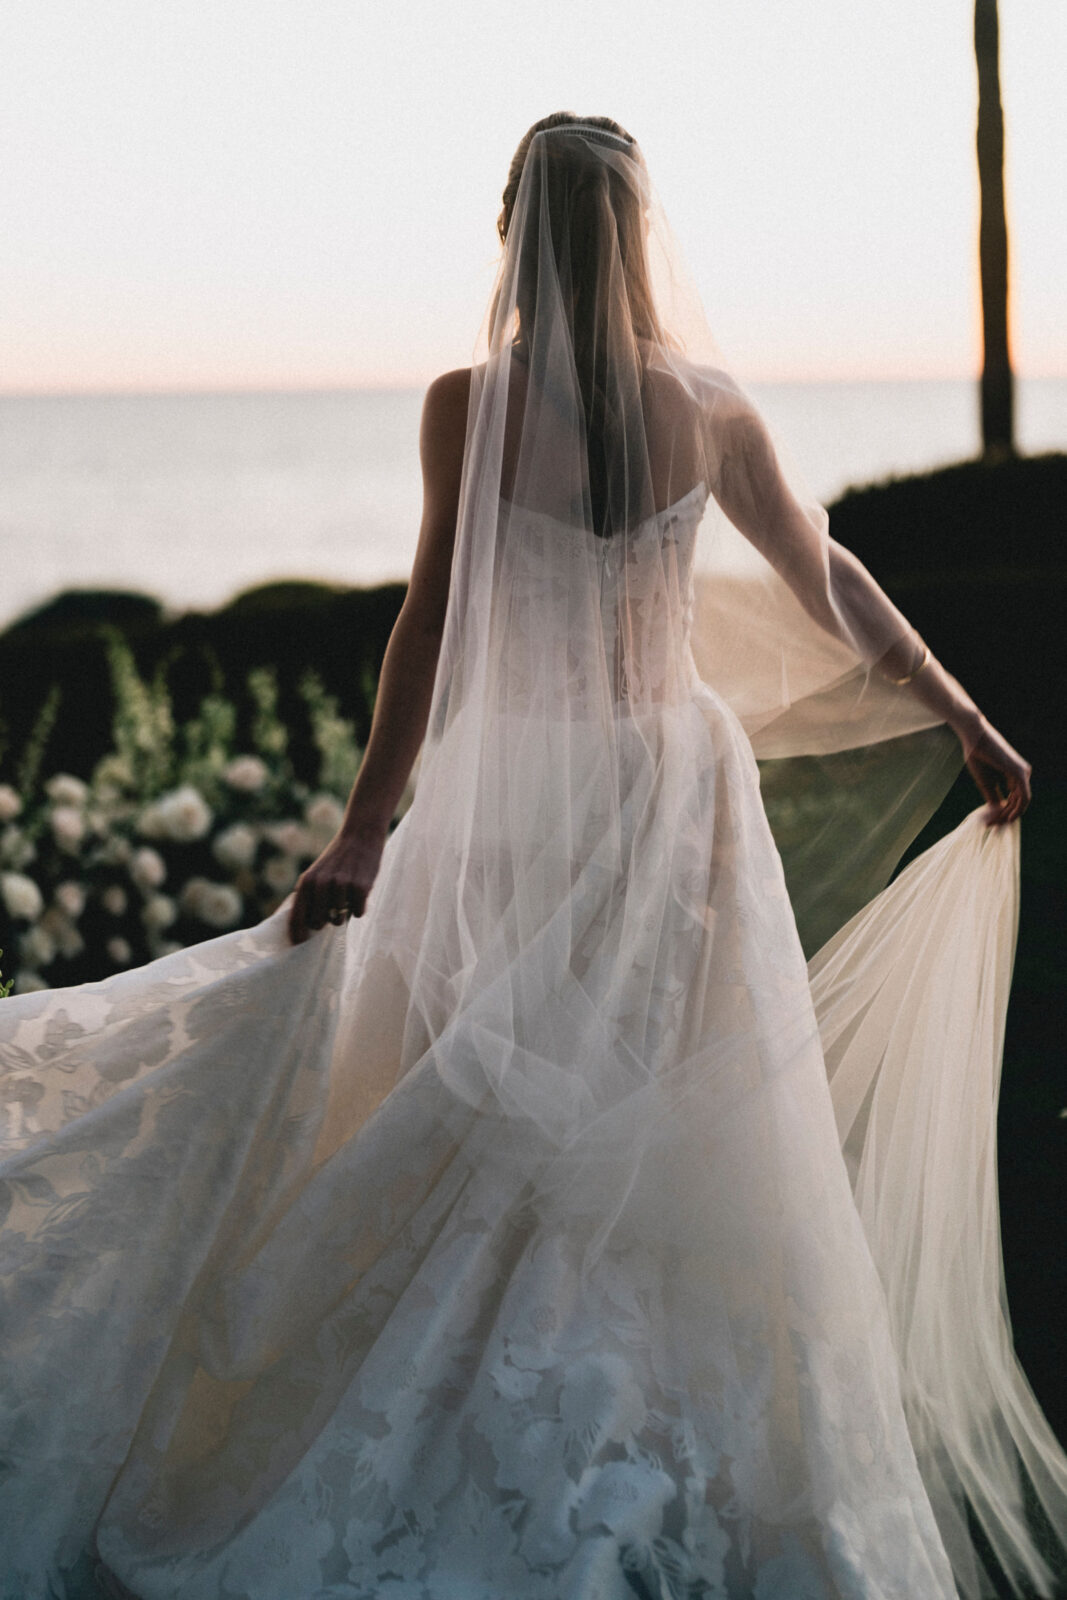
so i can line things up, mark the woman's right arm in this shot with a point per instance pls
(839, 593)
(340, 879)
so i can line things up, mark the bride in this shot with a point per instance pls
(546, 1227)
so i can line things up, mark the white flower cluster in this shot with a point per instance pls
(21, 896)
(217, 904)
(182, 815)
(17, 849)
(246, 774)
(324, 816)
(147, 868)
(10, 803)
(235, 847)
(65, 790)
(67, 813)
(89, 864)
(158, 912)
(70, 898)
(176, 836)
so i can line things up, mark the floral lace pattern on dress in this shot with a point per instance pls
(495, 1246)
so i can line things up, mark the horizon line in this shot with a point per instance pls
(414, 385)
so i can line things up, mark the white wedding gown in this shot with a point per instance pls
(556, 1231)
(505, 1250)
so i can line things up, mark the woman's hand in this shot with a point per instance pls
(337, 883)
(1001, 774)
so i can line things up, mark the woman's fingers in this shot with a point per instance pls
(308, 911)
(322, 897)
(1005, 789)
(298, 923)
(335, 886)
(986, 777)
(1002, 776)
(321, 900)
(1019, 793)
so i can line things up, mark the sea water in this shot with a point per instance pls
(194, 497)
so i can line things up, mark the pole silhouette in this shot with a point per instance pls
(997, 383)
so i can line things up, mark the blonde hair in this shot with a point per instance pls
(596, 208)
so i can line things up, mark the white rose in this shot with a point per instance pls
(119, 951)
(280, 873)
(16, 850)
(37, 947)
(292, 839)
(324, 816)
(235, 847)
(222, 907)
(68, 941)
(183, 814)
(217, 904)
(186, 814)
(114, 900)
(147, 868)
(70, 898)
(29, 982)
(150, 822)
(66, 790)
(68, 826)
(10, 802)
(192, 895)
(159, 912)
(246, 773)
(21, 896)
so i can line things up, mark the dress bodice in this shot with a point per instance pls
(597, 613)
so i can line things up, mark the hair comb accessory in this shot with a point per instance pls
(587, 131)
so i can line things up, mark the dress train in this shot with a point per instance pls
(274, 1332)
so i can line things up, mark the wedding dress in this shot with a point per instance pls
(556, 1231)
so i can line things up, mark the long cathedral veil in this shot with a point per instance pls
(576, 1013)
(631, 547)
(625, 523)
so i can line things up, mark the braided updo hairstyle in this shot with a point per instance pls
(558, 119)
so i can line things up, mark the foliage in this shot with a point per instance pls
(29, 765)
(178, 834)
(340, 634)
(334, 736)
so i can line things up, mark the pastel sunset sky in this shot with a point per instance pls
(302, 193)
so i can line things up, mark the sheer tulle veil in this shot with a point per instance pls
(631, 554)
(508, 1240)
(601, 401)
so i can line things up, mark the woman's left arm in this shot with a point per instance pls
(338, 882)
(839, 593)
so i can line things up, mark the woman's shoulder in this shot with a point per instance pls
(706, 381)
(443, 430)
(449, 393)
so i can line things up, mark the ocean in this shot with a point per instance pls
(194, 497)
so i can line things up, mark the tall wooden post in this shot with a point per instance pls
(997, 389)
